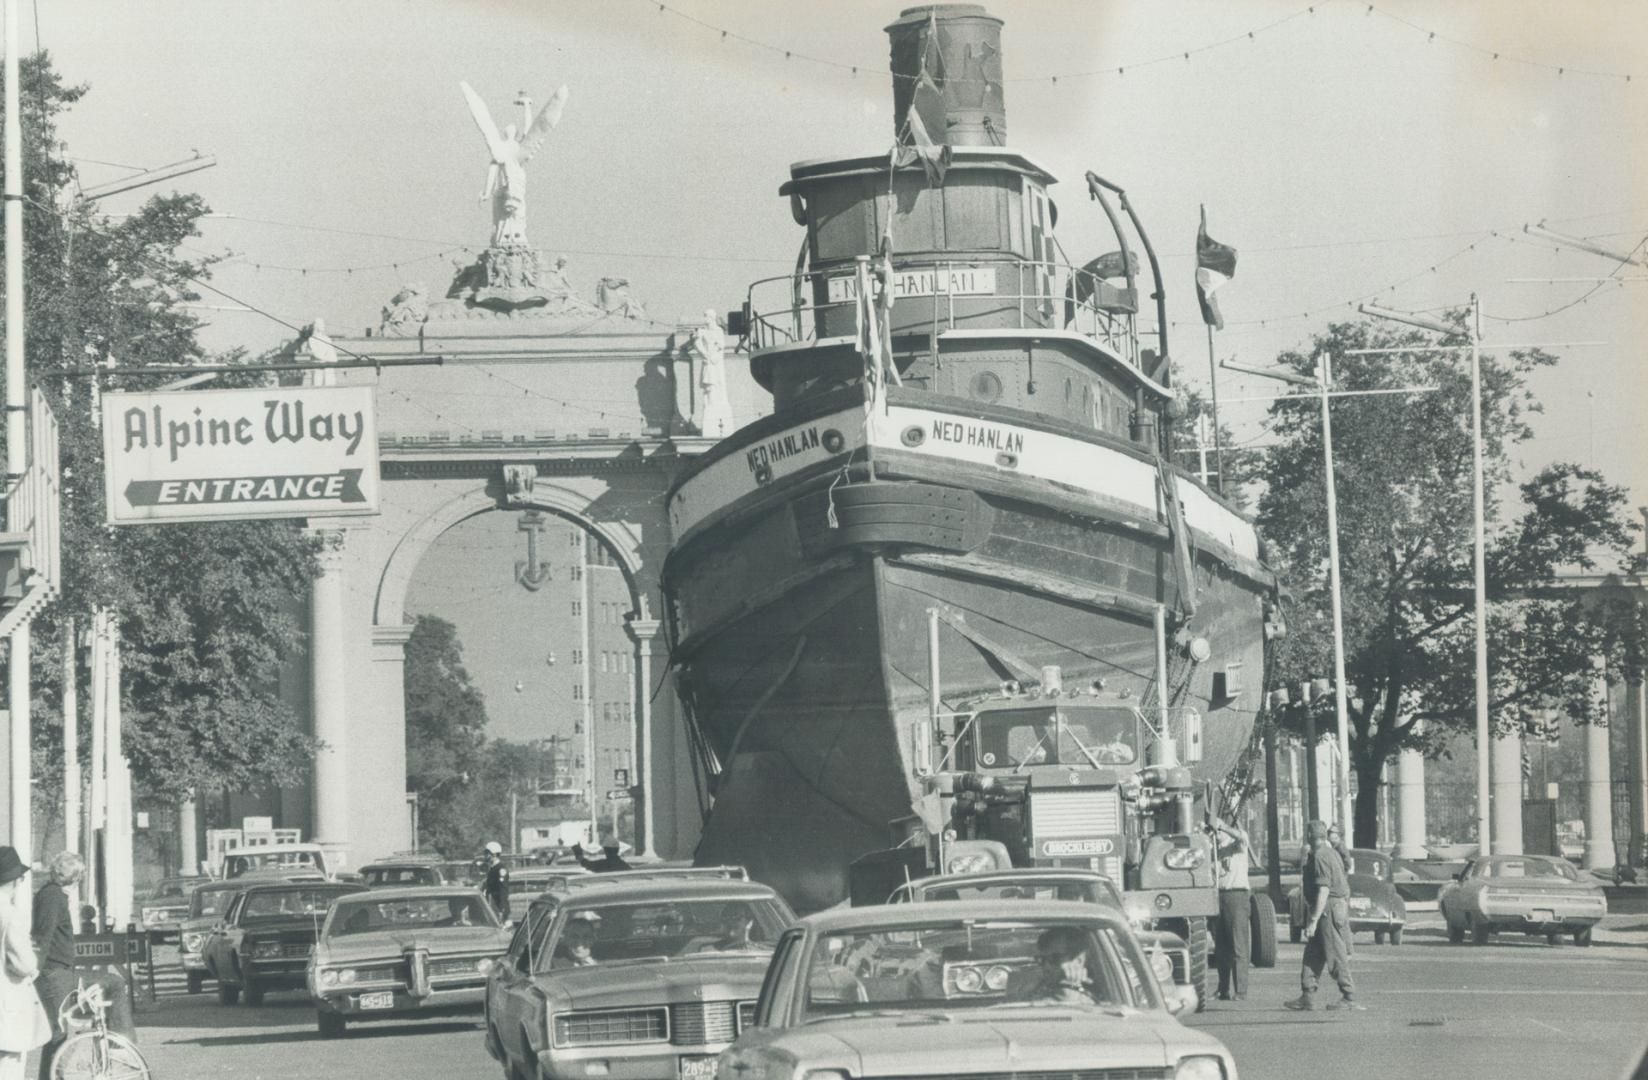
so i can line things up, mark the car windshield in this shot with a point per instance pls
(975, 965)
(210, 901)
(288, 903)
(370, 915)
(607, 933)
(1086, 892)
(168, 890)
(1083, 735)
(401, 875)
(241, 862)
(1532, 868)
(1370, 864)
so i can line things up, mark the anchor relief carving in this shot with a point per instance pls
(534, 572)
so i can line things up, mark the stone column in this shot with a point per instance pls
(188, 854)
(644, 631)
(1505, 772)
(328, 713)
(1410, 804)
(1636, 702)
(1599, 786)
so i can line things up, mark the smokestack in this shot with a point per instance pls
(947, 66)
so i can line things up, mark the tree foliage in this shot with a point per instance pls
(207, 613)
(1403, 467)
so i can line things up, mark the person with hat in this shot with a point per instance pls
(53, 934)
(495, 885)
(23, 1023)
(609, 860)
(1327, 926)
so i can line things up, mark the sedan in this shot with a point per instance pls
(1533, 894)
(403, 951)
(1374, 902)
(265, 939)
(977, 988)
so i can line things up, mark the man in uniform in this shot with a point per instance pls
(608, 862)
(1233, 937)
(1327, 923)
(495, 886)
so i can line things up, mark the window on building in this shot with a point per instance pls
(577, 725)
(577, 691)
(577, 657)
(603, 663)
(626, 711)
(575, 538)
(577, 608)
(543, 834)
(577, 572)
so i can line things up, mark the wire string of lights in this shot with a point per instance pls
(1491, 54)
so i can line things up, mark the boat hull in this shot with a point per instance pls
(801, 616)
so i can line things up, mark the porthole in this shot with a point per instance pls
(986, 386)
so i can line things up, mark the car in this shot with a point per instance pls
(164, 907)
(393, 872)
(956, 990)
(395, 952)
(264, 939)
(1534, 894)
(208, 903)
(1374, 902)
(1169, 955)
(237, 862)
(631, 974)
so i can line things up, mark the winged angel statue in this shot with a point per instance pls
(506, 176)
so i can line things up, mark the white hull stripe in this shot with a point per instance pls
(1010, 449)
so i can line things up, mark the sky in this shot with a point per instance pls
(1341, 149)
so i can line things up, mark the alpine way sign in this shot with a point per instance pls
(226, 455)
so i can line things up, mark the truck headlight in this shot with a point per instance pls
(1201, 1067)
(1185, 858)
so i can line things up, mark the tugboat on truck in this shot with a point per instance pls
(964, 482)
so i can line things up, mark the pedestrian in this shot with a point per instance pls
(607, 863)
(1327, 923)
(53, 934)
(495, 882)
(1233, 929)
(23, 1023)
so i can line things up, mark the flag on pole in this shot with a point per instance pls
(1215, 265)
(927, 112)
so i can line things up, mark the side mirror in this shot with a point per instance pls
(1180, 999)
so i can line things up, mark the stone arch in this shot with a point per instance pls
(389, 600)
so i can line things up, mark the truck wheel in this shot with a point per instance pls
(197, 982)
(1263, 953)
(1201, 952)
(330, 1024)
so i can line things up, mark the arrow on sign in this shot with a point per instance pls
(619, 795)
(342, 486)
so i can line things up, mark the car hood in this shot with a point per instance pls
(1036, 1038)
(725, 977)
(437, 940)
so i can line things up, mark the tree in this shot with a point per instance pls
(1404, 478)
(445, 728)
(208, 613)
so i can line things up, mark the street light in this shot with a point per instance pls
(1479, 559)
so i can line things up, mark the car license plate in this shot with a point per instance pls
(1544, 916)
(384, 999)
(696, 1067)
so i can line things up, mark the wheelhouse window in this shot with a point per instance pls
(1087, 736)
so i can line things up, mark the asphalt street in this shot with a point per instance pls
(1511, 1010)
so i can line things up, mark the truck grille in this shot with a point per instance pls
(612, 1027)
(698, 1023)
(1077, 812)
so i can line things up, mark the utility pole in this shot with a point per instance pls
(17, 661)
(71, 740)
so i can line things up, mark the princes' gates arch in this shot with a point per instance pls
(518, 422)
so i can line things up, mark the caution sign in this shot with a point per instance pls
(97, 950)
(226, 455)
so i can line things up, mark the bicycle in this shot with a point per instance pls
(94, 1052)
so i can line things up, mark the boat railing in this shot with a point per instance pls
(935, 297)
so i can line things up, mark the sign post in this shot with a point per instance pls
(230, 455)
(117, 950)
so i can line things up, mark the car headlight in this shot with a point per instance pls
(1162, 965)
(483, 965)
(191, 942)
(970, 864)
(152, 916)
(1185, 858)
(264, 950)
(1201, 1067)
(329, 978)
(997, 978)
(969, 980)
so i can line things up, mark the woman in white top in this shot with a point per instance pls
(23, 1024)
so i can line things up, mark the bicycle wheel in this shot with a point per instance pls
(94, 1056)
